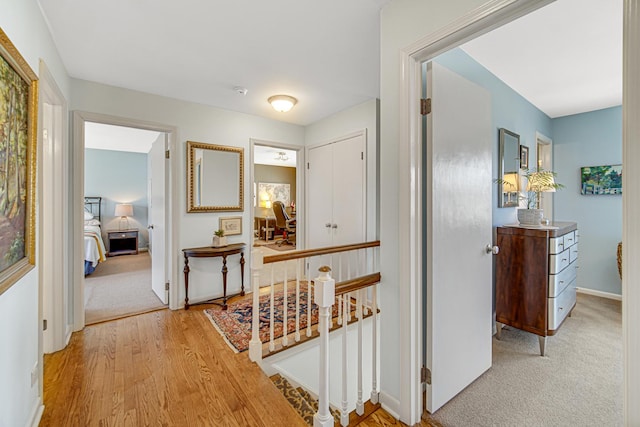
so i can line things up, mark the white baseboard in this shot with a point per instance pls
(601, 294)
(390, 404)
(36, 414)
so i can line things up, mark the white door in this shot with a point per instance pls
(458, 310)
(157, 229)
(320, 196)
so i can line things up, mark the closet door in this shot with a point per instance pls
(336, 192)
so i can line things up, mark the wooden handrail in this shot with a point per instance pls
(319, 251)
(357, 283)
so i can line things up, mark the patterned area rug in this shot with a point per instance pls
(234, 324)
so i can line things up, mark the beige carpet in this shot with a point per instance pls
(120, 286)
(577, 383)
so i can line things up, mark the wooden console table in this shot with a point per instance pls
(211, 252)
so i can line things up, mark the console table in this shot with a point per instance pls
(211, 252)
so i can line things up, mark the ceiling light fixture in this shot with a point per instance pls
(282, 156)
(282, 103)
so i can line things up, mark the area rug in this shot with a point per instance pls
(234, 324)
(277, 247)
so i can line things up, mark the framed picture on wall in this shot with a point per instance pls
(524, 157)
(598, 180)
(231, 225)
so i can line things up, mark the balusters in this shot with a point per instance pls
(272, 344)
(285, 309)
(255, 345)
(374, 345)
(359, 317)
(309, 311)
(344, 413)
(298, 300)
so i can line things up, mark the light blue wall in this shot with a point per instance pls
(590, 139)
(509, 110)
(118, 177)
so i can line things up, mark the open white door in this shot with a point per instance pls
(458, 310)
(157, 228)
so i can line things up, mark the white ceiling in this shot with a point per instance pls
(565, 58)
(324, 53)
(118, 138)
(263, 155)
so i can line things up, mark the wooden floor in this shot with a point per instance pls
(165, 368)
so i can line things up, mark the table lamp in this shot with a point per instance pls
(124, 210)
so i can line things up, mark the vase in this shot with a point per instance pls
(219, 241)
(530, 216)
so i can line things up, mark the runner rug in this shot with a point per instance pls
(234, 324)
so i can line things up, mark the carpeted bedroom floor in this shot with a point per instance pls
(120, 287)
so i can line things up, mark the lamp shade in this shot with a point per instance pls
(510, 182)
(124, 209)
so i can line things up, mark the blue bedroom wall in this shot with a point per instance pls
(509, 110)
(590, 139)
(118, 177)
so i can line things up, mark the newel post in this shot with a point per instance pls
(255, 345)
(325, 292)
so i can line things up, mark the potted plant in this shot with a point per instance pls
(538, 181)
(219, 239)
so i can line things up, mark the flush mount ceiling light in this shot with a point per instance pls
(282, 103)
(282, 156)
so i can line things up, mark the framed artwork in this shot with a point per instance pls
(524, 157)
(269, 192)
(18, 133)
(231, 225)
(597, 180)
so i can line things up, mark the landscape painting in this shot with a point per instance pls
(598, 180)
(18, 95)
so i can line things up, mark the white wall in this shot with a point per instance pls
(402, 23)
(362, 116)
(19, 306)
(200, 123)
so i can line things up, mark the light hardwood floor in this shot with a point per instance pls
(164, 368)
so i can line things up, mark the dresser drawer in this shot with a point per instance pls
(573, 253)
(123, 235)
(560, 306)
(569, 239)
(559, 262)
(556, 245)
(559, 282)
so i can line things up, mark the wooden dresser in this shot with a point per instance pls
(536, 277)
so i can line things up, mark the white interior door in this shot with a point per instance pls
(157, 230)
(320, 196)
(349, 223)
(458, 310)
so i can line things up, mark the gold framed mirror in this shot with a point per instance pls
(214, 178)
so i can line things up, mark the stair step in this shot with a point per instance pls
(295, 399)
(313, 401)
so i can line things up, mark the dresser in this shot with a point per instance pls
(536, 277)
(122, 242)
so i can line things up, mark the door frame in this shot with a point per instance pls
(171, 209)
(473, 24)
(54, 241)
(544, 145)
(300, 189)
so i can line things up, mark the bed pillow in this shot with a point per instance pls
(87, 215)
(91, 222)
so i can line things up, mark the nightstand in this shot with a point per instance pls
(124, 242)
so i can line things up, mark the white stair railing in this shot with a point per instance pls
(356, 297)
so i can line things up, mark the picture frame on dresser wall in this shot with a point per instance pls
(18, 122)
(524, 157)
(601, 180)
(230, 225)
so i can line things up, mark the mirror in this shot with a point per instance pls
(215, 177)
(509, 169)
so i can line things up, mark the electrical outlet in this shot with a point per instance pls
(34, 375)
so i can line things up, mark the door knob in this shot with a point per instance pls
(492, 249)
(328, 225)
(334, 226)
(150, 227)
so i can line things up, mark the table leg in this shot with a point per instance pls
(224, 282)
(186, 282)
(242, 273)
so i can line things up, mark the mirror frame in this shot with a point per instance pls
(191, 161)
(501, 170)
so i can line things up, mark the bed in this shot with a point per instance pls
(94, 250)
